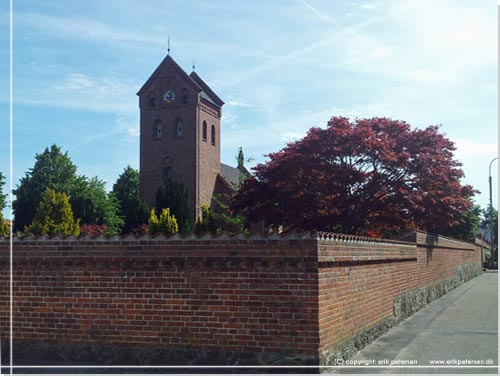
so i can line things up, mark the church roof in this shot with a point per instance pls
(230, 174)
(206, 89)
(193, 79)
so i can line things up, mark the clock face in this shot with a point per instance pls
(169, 96)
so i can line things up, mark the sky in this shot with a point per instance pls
(281, 66)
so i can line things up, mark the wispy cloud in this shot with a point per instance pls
(81, 91)
(81, 28)
(319, 14)
(234, 103)
(468, 148)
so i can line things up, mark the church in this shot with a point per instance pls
(180, 137)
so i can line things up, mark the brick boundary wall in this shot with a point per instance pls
(295, 299)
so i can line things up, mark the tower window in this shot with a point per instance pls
(167, 168)
(179, 127)
(204, 131)
(152, 99)
(184, 96)
(212, 135)
(157, 129)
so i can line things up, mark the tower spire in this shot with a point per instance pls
(168, 46)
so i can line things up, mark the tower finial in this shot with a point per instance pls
(193, 66)
(168, 44)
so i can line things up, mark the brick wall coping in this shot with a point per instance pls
(318, 237)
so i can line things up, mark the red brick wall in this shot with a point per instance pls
(234, 294)
(296, 294)
(359, 280)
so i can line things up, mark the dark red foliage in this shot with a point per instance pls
(93, 230)
(368, 176)
(140, 230)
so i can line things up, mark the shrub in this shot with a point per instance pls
(94, 230)
(207, 222)
(166, 223)
(54, 216)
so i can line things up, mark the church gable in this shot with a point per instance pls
(168, 65)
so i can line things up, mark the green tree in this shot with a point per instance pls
(173, 195)
(207, 222)
(4, 228)
(133, 208)
(94, 206)
(52, 170)
(54, 216)
(487, 228)
(166, 224)
(468, 224)
(2, 196)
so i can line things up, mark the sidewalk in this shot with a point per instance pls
(461, 326)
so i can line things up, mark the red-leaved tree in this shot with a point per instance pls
(368, 176)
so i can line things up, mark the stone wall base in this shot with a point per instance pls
(405, 305)
(57, 354)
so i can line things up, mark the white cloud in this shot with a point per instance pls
(228, 117)
(468, 148)
(77, 90)
(235, 103)
(83, 28)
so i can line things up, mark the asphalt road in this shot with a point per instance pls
(460, 328)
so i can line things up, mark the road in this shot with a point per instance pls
(461, 326)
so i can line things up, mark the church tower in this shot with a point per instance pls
(179, 134)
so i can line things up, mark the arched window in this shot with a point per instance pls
(152, 99)
(179, 127)
(169, 172)
(212, 135)
(184, 96)
(167, 168)
(204, 131)
(157, 129)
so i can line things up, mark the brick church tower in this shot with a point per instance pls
(180, 135)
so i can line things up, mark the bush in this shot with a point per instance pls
(207, 222)
(140, 230)
(94, 230)
(166, 224)
(4, 227)
(54, 216)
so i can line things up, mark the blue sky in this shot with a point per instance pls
(281, 66)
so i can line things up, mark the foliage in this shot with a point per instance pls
(133, 208)
(487, 226)
(166, 224)
(173, 195)
(52, 170)
(94, 230)
(54, 216)
(2, 196)
(227, 219)
(240, 159)
(468, 224)
(4, 227)
(369, 175)
(207, 222)
(140, 230)
(94, 206)
(55, 170)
